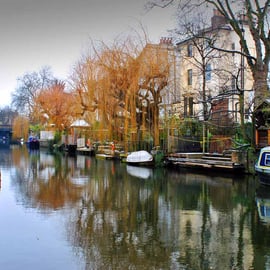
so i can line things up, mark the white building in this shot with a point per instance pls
(213, 70)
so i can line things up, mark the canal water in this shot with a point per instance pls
(61, 212)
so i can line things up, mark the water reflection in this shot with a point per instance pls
(123, 217)
(45, 181)
(263, 204)
(140, 172)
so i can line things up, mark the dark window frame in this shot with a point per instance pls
(189, 76)
(190, 50)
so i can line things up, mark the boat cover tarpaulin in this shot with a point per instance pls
(139, 156)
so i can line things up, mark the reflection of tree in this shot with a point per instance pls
(117, 223)
(171, 220)
(45, 185)
(56, 193)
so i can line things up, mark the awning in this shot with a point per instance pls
(80, 123)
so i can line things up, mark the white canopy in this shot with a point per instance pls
(80, 123)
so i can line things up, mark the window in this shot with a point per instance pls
(208, 70)
(185, 106)
(190, 77)
(267, 160)
(233, 48)
(189, 50)
(246, 114)
(233, 83)
(188, 106)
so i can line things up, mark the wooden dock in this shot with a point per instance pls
(85, 151)
(205, 161)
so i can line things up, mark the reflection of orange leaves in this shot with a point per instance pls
(56, 193)
(19, 154)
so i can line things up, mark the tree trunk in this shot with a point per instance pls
(261, 90)
(156, 125)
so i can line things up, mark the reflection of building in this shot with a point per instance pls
(205, 231)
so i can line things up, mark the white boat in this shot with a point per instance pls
(140, 158)
(262, 166)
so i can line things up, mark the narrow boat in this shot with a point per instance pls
(140, 158)
(262, 166)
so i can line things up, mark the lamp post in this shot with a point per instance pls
(242, 81)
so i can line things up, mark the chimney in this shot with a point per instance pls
(165, 40)
(218, 19)
(243, 19)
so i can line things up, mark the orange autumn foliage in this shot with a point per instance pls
(20, 127)
(55, 106)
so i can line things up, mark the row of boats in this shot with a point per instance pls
(262, 166)
(144, 158)
(140, 158)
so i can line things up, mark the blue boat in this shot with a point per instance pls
(262, 166)
(33, 143)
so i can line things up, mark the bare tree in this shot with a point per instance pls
(197, 54)
(28, 87)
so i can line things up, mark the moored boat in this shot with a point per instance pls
(262, 166)
(105, 151)
(33, 143)
(140, 158)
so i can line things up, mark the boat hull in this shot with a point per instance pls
(262, 166)
(33, 145)
(104, 156)
(264, 177)
(142, 163)
(106, 151)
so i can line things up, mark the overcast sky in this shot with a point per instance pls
(35, 33)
